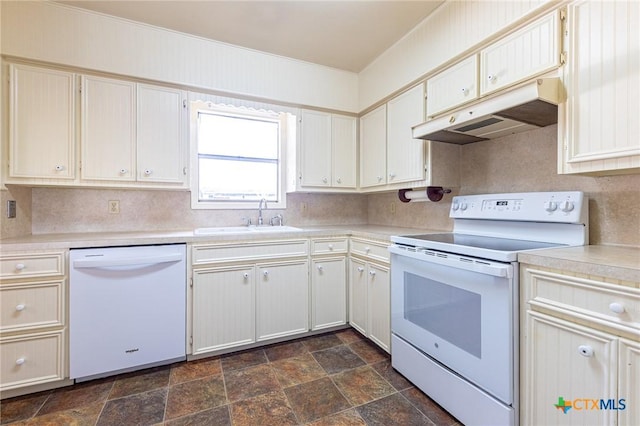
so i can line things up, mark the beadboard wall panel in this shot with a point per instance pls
(453, 28)
(73, 37)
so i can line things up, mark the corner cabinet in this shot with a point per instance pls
(328, 147)
(129, 134)
(598, 126)
(581, 340)
(370, 291)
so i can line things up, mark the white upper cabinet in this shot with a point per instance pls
(530, 51)
(452, 87)
(328, 151)
(405, 155)
(161, 117)
(373, 148)
(599, 127)
(108, 129)
(42, 123)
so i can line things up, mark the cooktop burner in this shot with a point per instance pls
(491, 243)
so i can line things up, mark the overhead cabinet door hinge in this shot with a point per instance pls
(184, 103)
(563, 58)
(563, 14)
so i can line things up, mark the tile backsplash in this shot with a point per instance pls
(518, 163)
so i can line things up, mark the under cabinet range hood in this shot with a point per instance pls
(527, 107)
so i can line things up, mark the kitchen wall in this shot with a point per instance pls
(521, 163)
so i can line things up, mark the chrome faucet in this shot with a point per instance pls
(260, 210)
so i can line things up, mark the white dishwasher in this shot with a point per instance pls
(127, 309)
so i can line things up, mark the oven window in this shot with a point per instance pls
(448, 312)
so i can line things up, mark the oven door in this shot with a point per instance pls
(459, 311)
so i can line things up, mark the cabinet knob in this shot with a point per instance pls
(465, 91)
(330, 246)
(265, 273)
(372, 272)
(616, 307)
(492, 78)
(20, 266)
(325, 180)
(367, 249)
(123, 171)
(20, 361)
(319, 268)
(20, 307)
(360, 269)
(245, 275)
(339, 180)
(59, 168)
(148, 172)
(585, 350)
(379, 178)
(392, 176)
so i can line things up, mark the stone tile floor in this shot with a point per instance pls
(337, 378)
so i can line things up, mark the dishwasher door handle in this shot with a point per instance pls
(126, 261)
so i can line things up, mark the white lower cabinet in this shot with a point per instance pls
(581, 359)
(224, 307)
(243, 293)
(328, 292)
(370, 296)
(282, 299)
(33, 322)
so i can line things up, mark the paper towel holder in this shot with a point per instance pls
(434, 193)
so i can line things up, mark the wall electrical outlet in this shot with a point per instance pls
(114, 206)
(11, 209)
(392, 208)
(304, 207)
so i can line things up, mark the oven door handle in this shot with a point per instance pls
(487, 267)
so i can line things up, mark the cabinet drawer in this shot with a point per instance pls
(31, 359)
(25, 306)
(217, 253)
(373, 250)
(32, 265)
(606, 303)
(329, 246)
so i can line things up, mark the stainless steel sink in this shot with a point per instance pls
(222, 230)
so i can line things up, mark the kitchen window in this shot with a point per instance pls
(237, 157)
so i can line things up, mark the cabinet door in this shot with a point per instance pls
(329, 292)
(452, 87)
(108, 129)
(405, 155)
(223, 308)
(42, 123)
(358, 284)
(629, 389)
(282, 299)
(343, 147)
(568, 361)
(373, 148)
(379, 309)
(528, 52)
(598, 131)
(316, 149)
(161, 137)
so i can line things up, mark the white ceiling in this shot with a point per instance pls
(342, 34)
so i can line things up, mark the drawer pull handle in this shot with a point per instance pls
(19, 361)
(585, 350)
(20, 266)
(367, 249)
(330, 246)
(20, 307)
(618, 308)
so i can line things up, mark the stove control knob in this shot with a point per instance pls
(455, 206)
(463, 206)
(566, 206)
(550, 206)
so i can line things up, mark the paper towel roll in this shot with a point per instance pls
(432, 193)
